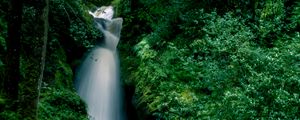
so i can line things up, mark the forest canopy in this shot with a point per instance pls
(180, 59)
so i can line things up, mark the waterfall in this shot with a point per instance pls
(97, 80)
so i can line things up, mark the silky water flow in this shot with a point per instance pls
(97, 80)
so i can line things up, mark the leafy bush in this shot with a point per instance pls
(62, 105)
(5, 112)
(9, 115)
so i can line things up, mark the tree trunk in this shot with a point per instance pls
(12, 59)
(45, 38)
(34, 55)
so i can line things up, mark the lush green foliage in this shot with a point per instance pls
(213, 62)
(187, 59)
(63, 105)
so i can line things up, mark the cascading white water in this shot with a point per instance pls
(97, 81)
(99, 85)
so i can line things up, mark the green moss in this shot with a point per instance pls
(63, 76)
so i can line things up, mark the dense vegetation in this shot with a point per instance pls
(213, 59)
(185, 59)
